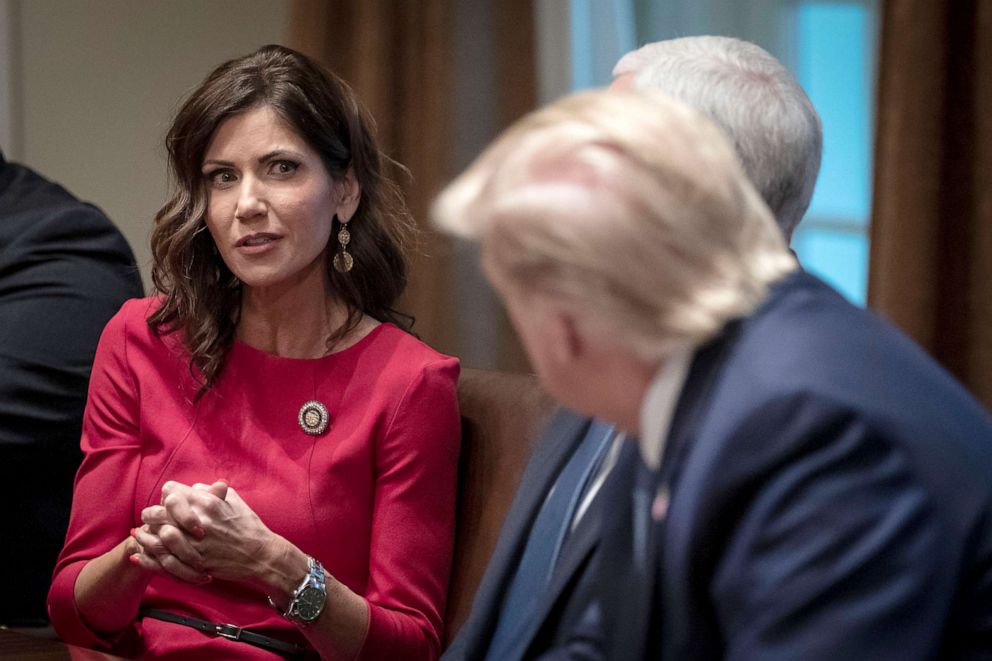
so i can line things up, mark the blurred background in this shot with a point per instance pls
(902, 216)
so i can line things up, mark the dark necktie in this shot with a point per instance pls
(544, 543)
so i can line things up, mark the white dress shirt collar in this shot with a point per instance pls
(658, 405)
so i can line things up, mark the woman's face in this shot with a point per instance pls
(271, 201)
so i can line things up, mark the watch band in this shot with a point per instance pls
(314, 579)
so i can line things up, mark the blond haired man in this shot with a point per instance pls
(808, 484)
(777, 136)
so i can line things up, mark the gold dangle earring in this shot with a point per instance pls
(343, 260)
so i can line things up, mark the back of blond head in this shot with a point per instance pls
(628, 207)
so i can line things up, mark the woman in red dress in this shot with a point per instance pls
(270, 457)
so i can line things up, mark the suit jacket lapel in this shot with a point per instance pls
(554, 448)
(691, 409)
(693, 402)
(579, 545)
(635, 625)
(619, 577)
(641, 628)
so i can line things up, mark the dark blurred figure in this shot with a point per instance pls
(64, 271)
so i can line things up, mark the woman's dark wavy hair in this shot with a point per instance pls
(202, 296)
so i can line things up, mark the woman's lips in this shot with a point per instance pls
(254, 244)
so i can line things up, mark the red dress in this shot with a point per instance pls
(372, 498)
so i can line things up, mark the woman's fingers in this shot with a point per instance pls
(182, 571)
(218, 489)
(171, 551)
(178, 544)
(155, 556)
(169, 537)
(235, 499)
(155, 516)
(169, 565)
(146, 562)
(176, 500)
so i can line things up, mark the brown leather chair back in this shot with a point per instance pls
(502, 416)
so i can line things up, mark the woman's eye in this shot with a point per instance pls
(221, 177)
(283, 167)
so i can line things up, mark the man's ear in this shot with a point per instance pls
(569, 342)
(349, 195)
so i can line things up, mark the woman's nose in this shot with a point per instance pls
(251, 200)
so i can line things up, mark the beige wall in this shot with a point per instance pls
(100, 79)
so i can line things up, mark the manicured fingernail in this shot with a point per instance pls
(134, 559)
(133, 531)
(208, 579)
(198, 532)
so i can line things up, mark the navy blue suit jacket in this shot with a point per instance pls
(573, 585)
(829, 496)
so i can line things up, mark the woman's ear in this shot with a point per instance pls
(349, 195)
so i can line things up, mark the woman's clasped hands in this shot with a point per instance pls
(204, 532)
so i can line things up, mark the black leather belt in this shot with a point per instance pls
(230, 632)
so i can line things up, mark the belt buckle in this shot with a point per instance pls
(228, 631)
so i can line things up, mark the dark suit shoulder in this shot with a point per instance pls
(60, 259)
(808, 342)
(836, 483)
(818, 531)
(42, 219)
(809, 364)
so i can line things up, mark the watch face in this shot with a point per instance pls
(309, 603)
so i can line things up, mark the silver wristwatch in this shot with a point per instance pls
(307, 601)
